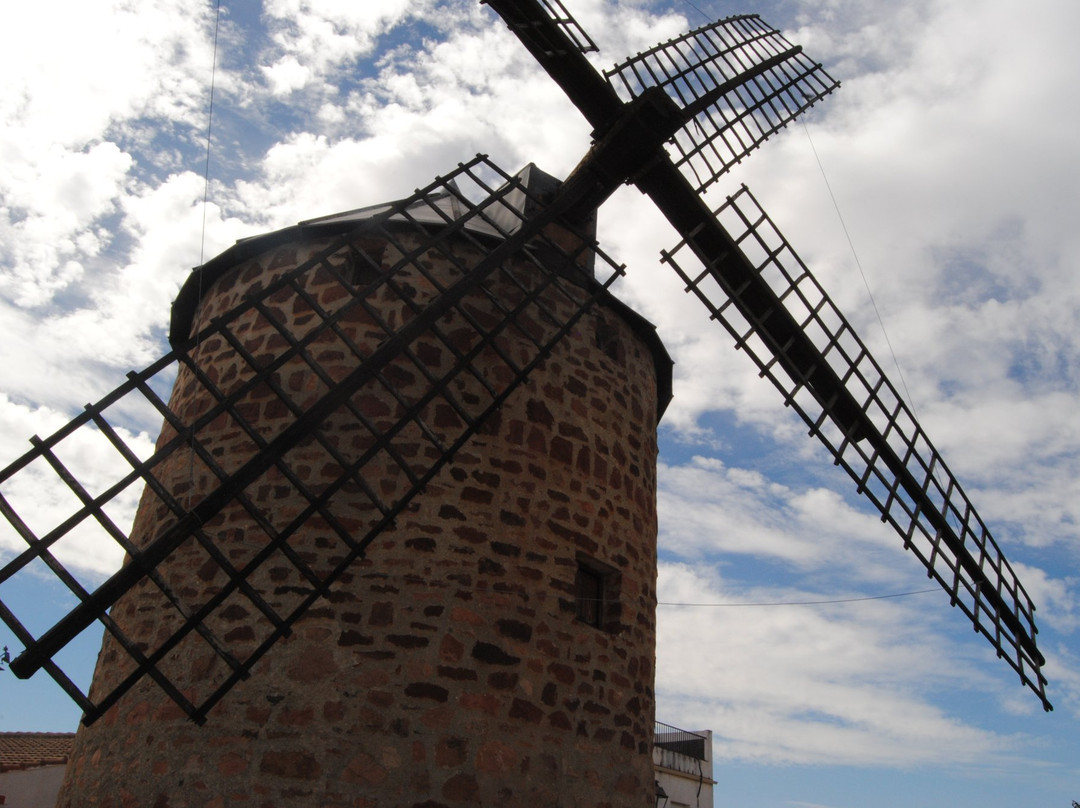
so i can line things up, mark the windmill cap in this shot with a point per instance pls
(529, 190)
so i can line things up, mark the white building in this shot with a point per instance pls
(683, 764)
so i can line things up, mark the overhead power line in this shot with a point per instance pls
(807, 602)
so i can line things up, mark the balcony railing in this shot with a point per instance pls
(678, 740)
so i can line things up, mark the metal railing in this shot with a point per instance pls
(678, 740)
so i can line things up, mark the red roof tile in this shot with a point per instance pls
(23, 750)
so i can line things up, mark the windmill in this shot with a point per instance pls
(670, 121)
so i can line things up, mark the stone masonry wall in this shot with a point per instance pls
(447, 668)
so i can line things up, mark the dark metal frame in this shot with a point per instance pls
(574, 32)
(543, 279)
(749, 279)
(738, 81)
(833, 381)
(878, 442)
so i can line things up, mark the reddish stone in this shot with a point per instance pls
(423, 544)
(363, 769)
(538, 413)
(426, 690)
(240, 634)
(315, 664)
(514, 629)
(451, 649)
(233, 611)
(496, 756)
(526, 711)
(502, 548)
(333, 711)
(484, 702)
(501, 680)
(459, 614)
(536, 440)
(439, 718)
(457, 674)
(477, 495)
(446, 417)
(548, 647)
(493, 655)
(559, 720)
(562, 450)
(232, 763)
(461, 788)
(451, 751)
(485, 566)
(380, 698)
(350, 637)
(296, 718)
(471, 535)
(293, 765)
(450, 512)
(381, 613)
(562, 673)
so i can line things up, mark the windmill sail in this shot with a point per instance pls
(712, 96)
(574, 32)
(446, 385)
(727, 87)
(867, 428)
(737, 81)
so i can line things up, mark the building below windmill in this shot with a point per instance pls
(32, 767)
(683, 763)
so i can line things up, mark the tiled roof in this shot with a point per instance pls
(22, 750)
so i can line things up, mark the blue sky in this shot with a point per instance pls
(950, 149)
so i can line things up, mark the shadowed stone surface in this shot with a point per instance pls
(447, 668)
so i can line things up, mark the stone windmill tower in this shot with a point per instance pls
(495, 642)
(405, 486)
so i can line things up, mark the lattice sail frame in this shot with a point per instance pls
(739, 81)
(531, 299)
(946, 553)
(762, 84)
(574, 32)
(809, 355)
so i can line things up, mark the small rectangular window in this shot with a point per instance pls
(607, 340)
(589, 590)
(363, 261)
(596, 594)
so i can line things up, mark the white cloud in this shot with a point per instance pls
(42, 500)
(51, 204)
(849, 683)
(1057, 598)
(311, 40)
(949, 147)
(65, 133)
(707, 508)
(286, 75)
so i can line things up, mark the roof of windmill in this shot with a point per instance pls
(532, 185)
(529, 184)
